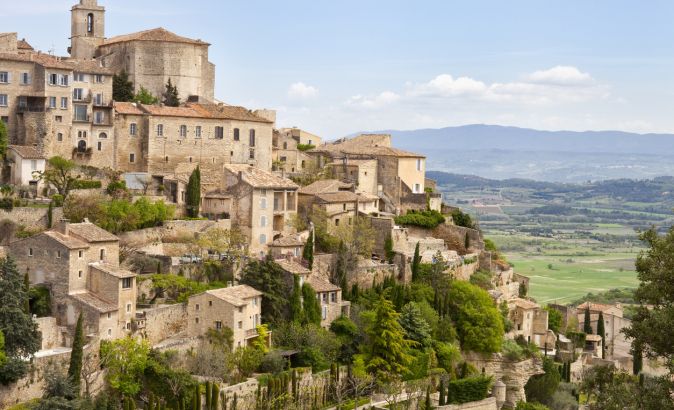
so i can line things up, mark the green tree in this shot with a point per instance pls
(3, 355)
(144, 96)
(388, 248)
(122, 88)
(170, 96)
(386, 352)
(416, 260)
(193, 194)
(637, 359)
(554, 319)
(75, 368)
(587, 324)
(416, 328)
(21, 335)
(308, 251)
(126, 360)
(4, 141)
(312, 306)
(26, 288)
(601, 331)
(60, 173)
(478, 322)
(296, 313)
(540, 388)
(266, 276)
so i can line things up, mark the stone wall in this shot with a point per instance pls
(31, 218)
(382, 228)
(51, 332)
(164, 322)
(487, 404)
(453, 235)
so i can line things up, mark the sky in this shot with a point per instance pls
(343, 66)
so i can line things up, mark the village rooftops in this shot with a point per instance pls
(325, 185)
(23, 45)
(337, 197)
(235, 295)
(191, 110)
(321, 285)
(259, 178)
(111, 270)
(365, 144)
(598, 307)
(95, 302)
(91, 233)
(67, 241)
(291, 240)
(159, 34)
(525, 304)
(27, 151)
(44, 60)
(293, 267)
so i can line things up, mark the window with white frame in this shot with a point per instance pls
(52, 102)
(64, 103)
(417, 188)
(325, 313)
(63, 80)
(263, 203)
(418, 164)
(99, 118)
(98, 99)
(183, 131)
(4, 77)
(53, 79)
(79, 77)
(197, 131)
(160, 130)
(219, 133)
(132, 157)
(25, 79)
(78, 94)
(3, 100)
(132, 128)
(99, 79)
(59, 137)
(263, 221)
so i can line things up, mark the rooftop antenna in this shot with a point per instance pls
(51, 50)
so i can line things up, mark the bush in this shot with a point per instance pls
(7, 204)
(468, 390)
(305, 147)
(482, 278)
(462, 219)
(273, 363)
(86, 184)
(423, 219)
(115, 186)
(57, 200)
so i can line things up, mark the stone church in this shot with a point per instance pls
(150, 57)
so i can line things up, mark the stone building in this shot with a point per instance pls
(236, 307)
(614, 322)
(262, 206)
(25, 164)
(291, 245)
(530, 322)
(290, 146)
(79, 264)
(342, 207)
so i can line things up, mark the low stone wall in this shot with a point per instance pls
(164, 322)
(369, 273)
(382, 228)
(487, 404)
(454, 237)
(31, 218)
(51, 332)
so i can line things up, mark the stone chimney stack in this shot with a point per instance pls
(62, 226)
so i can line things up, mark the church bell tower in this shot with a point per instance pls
(87, 29)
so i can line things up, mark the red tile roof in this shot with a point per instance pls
(155, 34)
(27, 151)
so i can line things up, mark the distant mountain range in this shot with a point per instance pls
(498, 152)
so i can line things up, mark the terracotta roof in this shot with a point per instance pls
(67, 241)
(44, 60)
(599, 307)
(593, 338)
(236, 295)
(91, 233)
(525, 304)
(128, 108)
(88, 66)
(217, 194)
(321, 285)
(164, 111)
(325, 185)
(112, 270)
(27, 151)
(336, 197)
(291, 266)
(95, 302)
(259, 178)
(229, 112)
(352, 162)
(155, 34)
(288, 241)
(23, 45)
(366, 144)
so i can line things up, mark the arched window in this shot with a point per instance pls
(103, 135)
(90, 23)
(81, 146)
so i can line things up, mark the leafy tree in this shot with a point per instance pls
(75, 368)
(222, 338)
(540, 388)
(388, 249)
(4, 141)
(318, 348)
(554, 319)
(312, 306)
(415, 263)
(416, 328)
(193, 193)
(386, 352)
(144, 96)
(170, 97)
(3, 355)
(601, 331)
(478, 321)
(462, 219)
(58, 390)
(349, 336)
(230, 243)
(587, 326)
(122, 88)
(247, 360)
(61, 174)
(126, 360)
(266, 276)
(21, 335)
(308, 251)
(521, 405)
(261, 341)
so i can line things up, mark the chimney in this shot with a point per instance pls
(62, 226)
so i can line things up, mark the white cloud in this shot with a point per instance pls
(380, 100)
(561, 75)
(302, 91)
(445, 85)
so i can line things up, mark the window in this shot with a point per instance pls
(99, 118)
(251, 138)
(132, 128)
(240, 325)
(58, 118)
(166, 158)
(59, 136)
(325, 297)
(4, 77)
(333, 297)
(99, 146)
(284, 159)
(80, 254)
(263, 203)
(30, 251)
(210, 303)
(190, 159)
(64, 103)
(25, 78)
(219, 133)
(343, 207)
(160, 130)
(127, 283)
(236, 134)
(263, 221)
(128, 307)
(81, 134)
(128, 325)
(109, 332)
(98, 99)
(417, 188)
(58, 254)
(52, 102)
(337, 222)
(109, 315)
(254, 301)
(100, 79)
(102, 254)
(4, 119)
(103, 135)
(63, 80)
(419, 164)
(263, 239)
(183, 131)
(81, 113)
(196, 320)
(197, 131)
(78, 77)
(325, 312)
(79, 274)
(33, 164)
(53, 79)
(303, 164)
(285, 145)
(90, 23)
(251, 154)
(218, 324)
(196, 307)
(3, 100)
(132, 157)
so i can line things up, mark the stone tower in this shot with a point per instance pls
(87, 29)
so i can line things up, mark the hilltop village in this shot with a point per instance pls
(191, 253)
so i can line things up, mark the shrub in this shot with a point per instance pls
(305, 147)
(482, 278)
(115, 186)
(424, 219)
(511, 350)
(273, 363)
(7, 204)
(469, 389)
(86, 184)
(57, 199)
(462, 219)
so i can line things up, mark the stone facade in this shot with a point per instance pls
(616, 343)
(286, 155)
(163, 322)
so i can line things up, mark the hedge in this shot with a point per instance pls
(469, 389)
(86, 184)
(424, 219)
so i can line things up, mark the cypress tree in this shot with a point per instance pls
(441, 388)
(215, 396)
(637, 359)
(415, 263)
(587, 327)
(388, 249)
(312, 307)
(193, 194)
(601, 331)
(296, 301)
(75, 368)
(308, 251)
(427, 403)
(50, 214)
(234, 402)
(208, 395)
(26, 288)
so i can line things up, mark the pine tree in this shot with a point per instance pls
(312, 307)
(75, 368)
(386, 352)
(122, 88)
(171, 98)
(416, 261)
(193, 195)
(308, 251)
(587, 326)
(416, 328)
(296, 301)
(601, 331)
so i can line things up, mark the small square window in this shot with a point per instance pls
(30, 251)
(80, 254)
(210, 303)
(132, 158)
(58, 254)
(218, 324)
(127, 283)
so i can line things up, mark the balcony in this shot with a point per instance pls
(82, 119)
(251, 333)
(102, 103)
(84, 99)
(22, 108)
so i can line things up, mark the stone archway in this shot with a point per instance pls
(81, 146)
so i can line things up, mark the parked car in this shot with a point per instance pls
(190, 259)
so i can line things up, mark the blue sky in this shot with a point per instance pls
(338, 67)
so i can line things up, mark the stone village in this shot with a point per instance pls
(281, 189)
